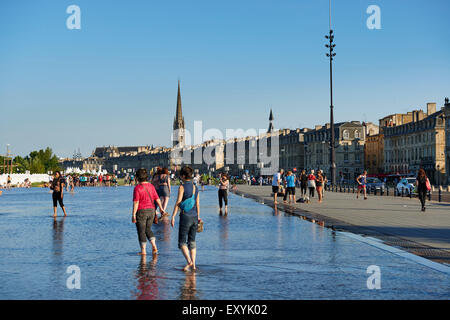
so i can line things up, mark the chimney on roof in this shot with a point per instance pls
(431, 108)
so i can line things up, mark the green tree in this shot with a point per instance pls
(40, 161)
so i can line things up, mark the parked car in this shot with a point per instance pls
(408, 186)
(375, 184)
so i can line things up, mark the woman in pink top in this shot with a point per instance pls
(144, 198)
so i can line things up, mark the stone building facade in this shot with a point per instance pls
(417, 144)
(292, 149)
(447, 141)
(373, 150)
(350, 140)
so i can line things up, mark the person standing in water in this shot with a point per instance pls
(362, 181)
(223, 192)
(143, 215)
(422, 186)
(164, 189)
(189, 202)
(57, 186)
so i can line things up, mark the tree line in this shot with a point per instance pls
(41, 161)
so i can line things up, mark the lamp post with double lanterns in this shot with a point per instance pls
(331, 55)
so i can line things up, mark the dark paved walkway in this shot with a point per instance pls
(395, 220)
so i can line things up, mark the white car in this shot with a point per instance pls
(407, 185)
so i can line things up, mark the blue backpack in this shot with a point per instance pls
(189, 203)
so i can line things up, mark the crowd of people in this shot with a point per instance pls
(26, 183)
(284, 184)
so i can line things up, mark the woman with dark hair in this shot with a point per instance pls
(144, 198)
(189, 202)
(422, 186)
(164, 189)
(223, 192)
(155, 178)
(319, 185)
(303, 182)
(57, 186)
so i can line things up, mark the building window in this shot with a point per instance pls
(346, 134)
(357, 134)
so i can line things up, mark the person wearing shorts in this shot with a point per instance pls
(362, 181)
(290, 187)
(319, 185)
(223, 193)
(188, 219)
(276, 180)
(164, 188)
(57, 186)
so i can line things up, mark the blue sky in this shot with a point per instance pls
(115, 80)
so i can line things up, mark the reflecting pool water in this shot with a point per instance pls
(253, 253)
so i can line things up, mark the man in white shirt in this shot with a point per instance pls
(276, 182)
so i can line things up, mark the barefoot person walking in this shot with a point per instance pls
(362, 181)
(223, 193)
(423, 186)
(57, 186)
(164, 189)
(144, 198)
(189, 202)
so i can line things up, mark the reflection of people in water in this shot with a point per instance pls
(223, 228)
(147, 287)
(58, 236)
(189, 289)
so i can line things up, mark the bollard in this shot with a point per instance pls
(375, 192)
(403, 192)
(410, 194)
(440, 194)
(340, 188)
(387, 191)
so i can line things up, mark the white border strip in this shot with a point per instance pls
(407, 255)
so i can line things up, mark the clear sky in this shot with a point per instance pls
(115, 80)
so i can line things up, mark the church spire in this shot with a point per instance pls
(271, 118)
(179, 115)
(178, 122)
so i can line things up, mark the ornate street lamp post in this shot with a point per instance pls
(330, 55)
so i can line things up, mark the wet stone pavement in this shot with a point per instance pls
(253, 253)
